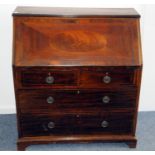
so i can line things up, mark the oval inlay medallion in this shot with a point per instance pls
(77, 41)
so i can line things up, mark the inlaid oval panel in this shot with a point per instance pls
(71, 41)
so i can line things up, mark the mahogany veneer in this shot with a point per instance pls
(77, 74)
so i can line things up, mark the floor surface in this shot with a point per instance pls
(145, 135)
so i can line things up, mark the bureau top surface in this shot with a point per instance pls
(72, 41)
(75, 12)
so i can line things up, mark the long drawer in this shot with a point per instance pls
(60, 100)
(109, 123)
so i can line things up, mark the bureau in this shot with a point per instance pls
(77, 74)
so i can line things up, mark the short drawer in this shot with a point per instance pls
(106, 78)
(115, 123)
(47, 78)
(60, 100)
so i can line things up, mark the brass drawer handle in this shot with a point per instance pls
(106, 79)
(51, 125)
(104, 124)
(50, 100)
(106, 99)
(49, 79)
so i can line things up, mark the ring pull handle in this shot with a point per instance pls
(106, 99)
(48, 126)
(49, 79)
(51, 125)
(104, 124)
(106, 79)
(50, 100)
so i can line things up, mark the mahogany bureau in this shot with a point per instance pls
(77, 74)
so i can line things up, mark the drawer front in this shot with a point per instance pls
(107, 78)
(48, 100)
(47, 78)
(116, 123)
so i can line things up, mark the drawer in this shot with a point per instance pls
(61, 100)
(47, 78)
(107, 78)
(40, 125)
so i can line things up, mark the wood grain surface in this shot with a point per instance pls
(78, 42)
